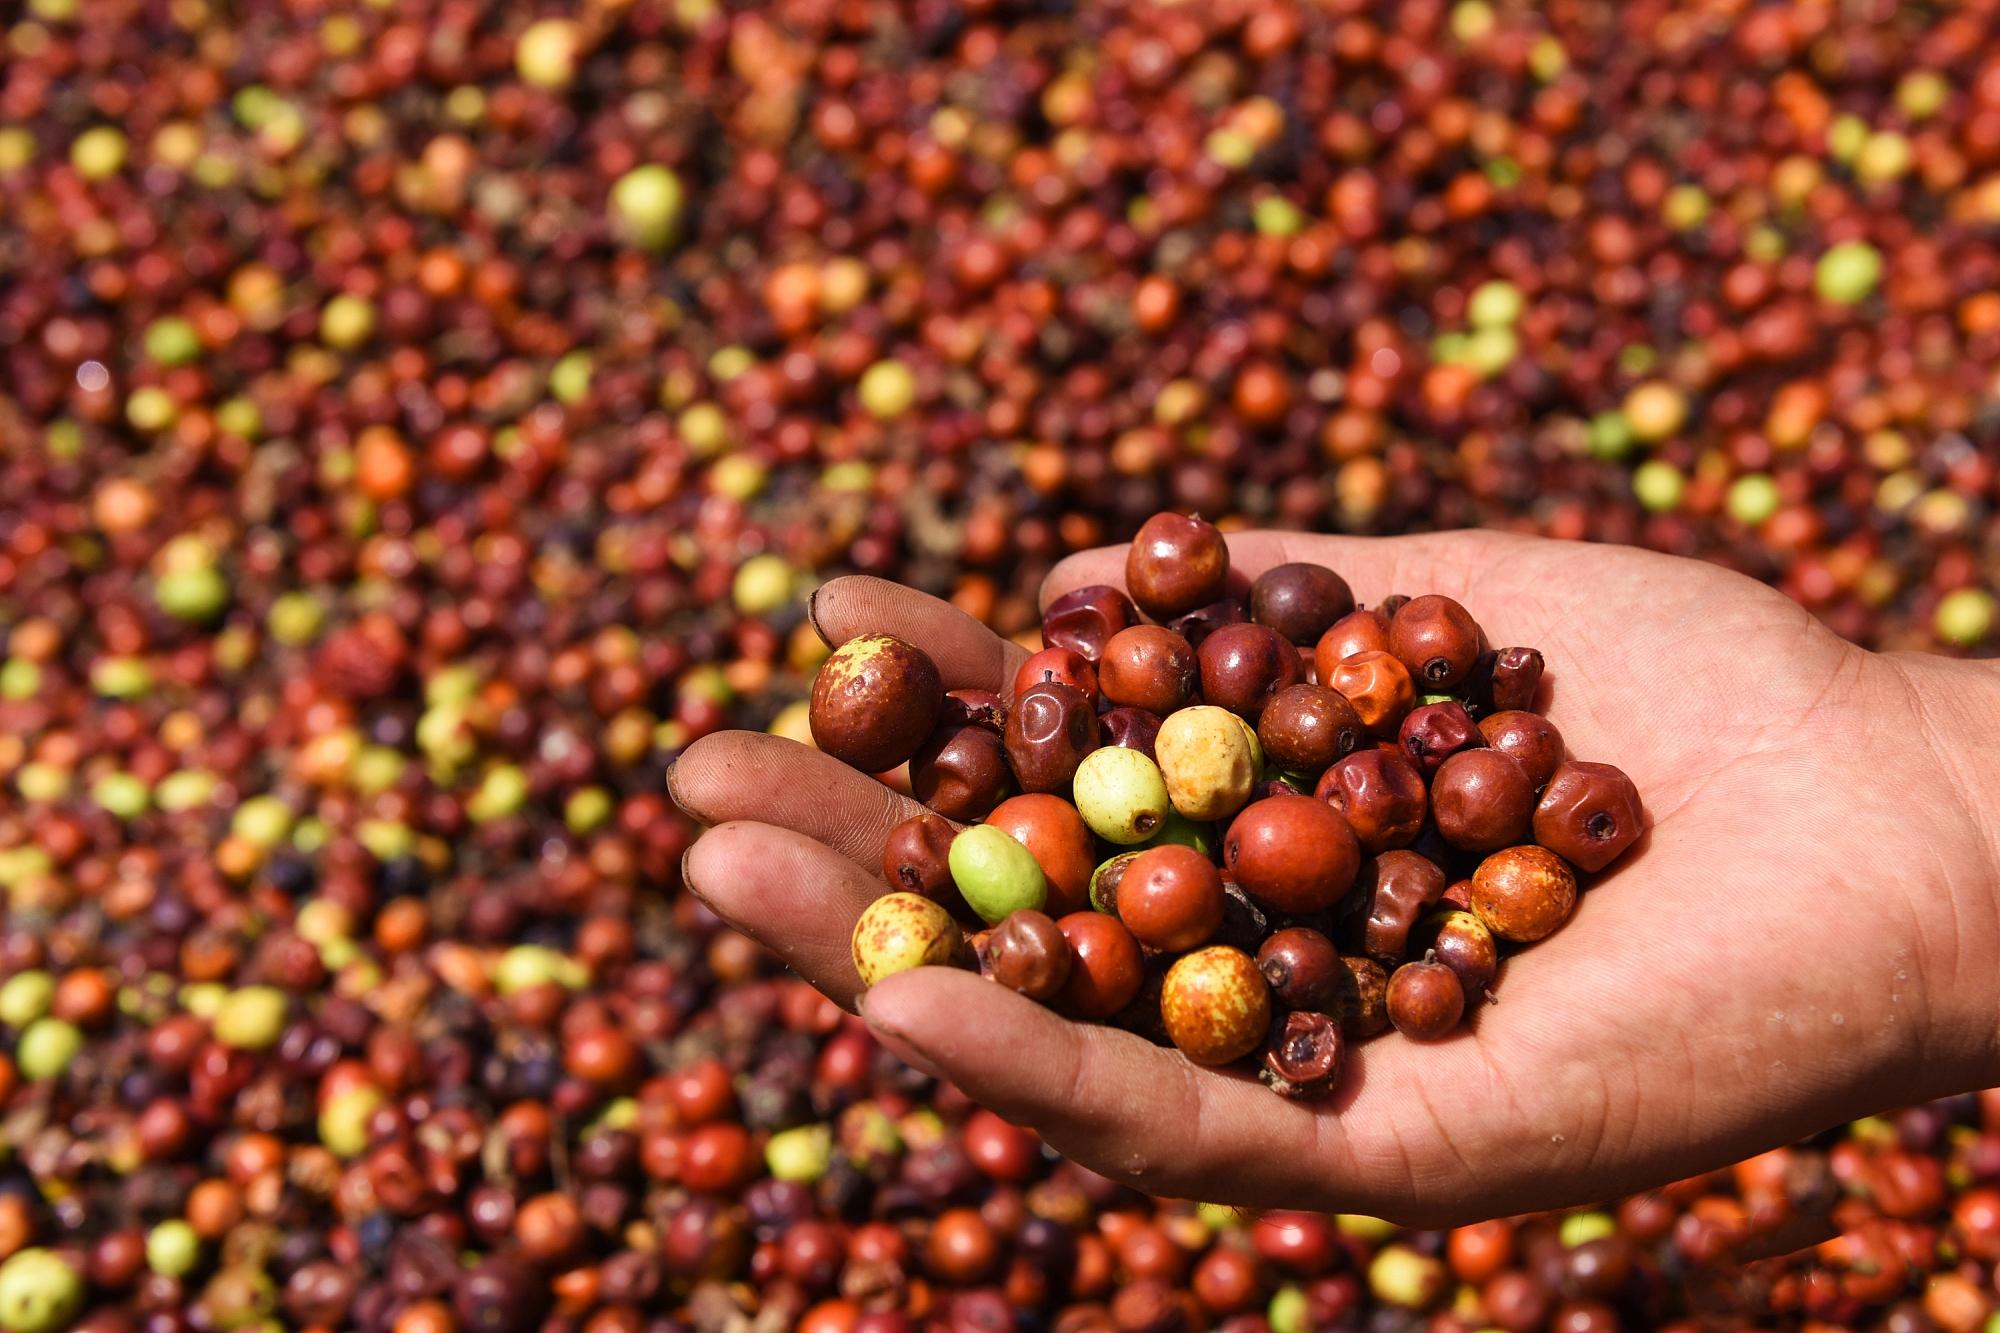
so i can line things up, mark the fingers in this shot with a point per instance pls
(750, 775)
(792, 894)
(1141, 1113)
(968, 655)
(1443, 562)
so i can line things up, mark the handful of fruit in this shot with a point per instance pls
(1266, 824)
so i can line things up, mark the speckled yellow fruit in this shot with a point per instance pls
(1216, 1005)
(900, 931)
(1205, 756)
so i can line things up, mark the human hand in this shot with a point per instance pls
(1806, 933)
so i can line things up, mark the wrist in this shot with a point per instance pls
(1954, 720)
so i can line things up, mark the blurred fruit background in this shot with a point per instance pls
(420, 419)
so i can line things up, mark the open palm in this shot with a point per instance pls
(1798, 939)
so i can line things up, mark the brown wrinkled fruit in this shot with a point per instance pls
(1437, 640)
(1381, 794)
(1362, 1002)
(1084, 619)
(1523, 893)
(1051, 728)
(1302, 1056)
(1482, 800)
(1589, 814)
(1291, 854)
(1434, 733)
(1306, 728)
(1176, 563)
(1511, 681)
(1300, 601)
(1395, 890)
(1530, 738)
(1028, 953)
(1148, 667)
(1379, 688)
(874, 701)
(1424, 1000)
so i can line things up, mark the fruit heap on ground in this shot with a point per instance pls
(420, 419)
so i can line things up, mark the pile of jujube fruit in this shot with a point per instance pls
(1250, 824)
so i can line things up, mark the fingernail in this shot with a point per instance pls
(687, 878)
(898, 1044)
(812, 614)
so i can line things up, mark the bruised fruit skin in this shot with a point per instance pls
(1176, 563)
(1523, 893)
(874, 701)
(1050, 828)
(1362, 1004)
(1396, 889)
(1303, 1054)
(1027, 953)
(1509, 682)
(1380, 689)
(1365, 631)
(1425, 1000)
(1170, 898)
(996, 875)
(1129, 729)
(1106, 879)
(974, 708)
(1435, 732)
(1106, 968)
(1206, 758)
(1051, 728)
(1215, 1005)
(1437, 640)
(1589, 814)
(900, 931)
(1084, 619)
(1382, 795)
(1292, 854)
